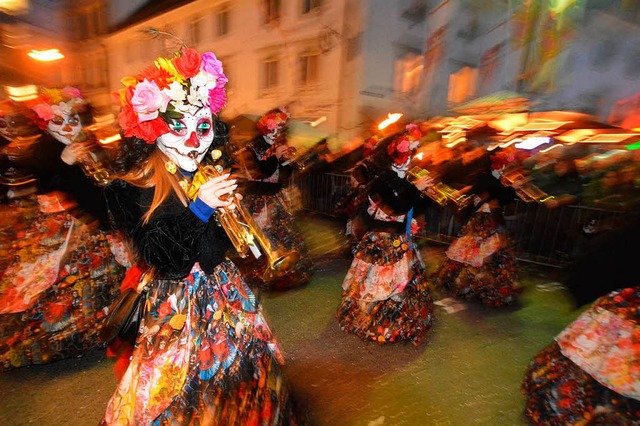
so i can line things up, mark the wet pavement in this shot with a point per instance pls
(467, 373)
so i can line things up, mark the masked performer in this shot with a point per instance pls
(590, 374)
(64, 268)
(480, 264)
(266, 161)
(204, 353)
(385, 296)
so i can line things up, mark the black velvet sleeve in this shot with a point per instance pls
(173, 239)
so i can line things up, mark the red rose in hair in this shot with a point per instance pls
(158, 75)
(188, 63)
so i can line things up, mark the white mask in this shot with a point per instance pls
(65, 128)
(191, 136)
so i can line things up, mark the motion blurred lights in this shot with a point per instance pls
(633, 146)
(391, 118)
(14, 7)
(22, 93)
(46, 55)
(532, 143)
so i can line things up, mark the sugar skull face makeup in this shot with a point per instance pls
(189, 139)
(65, 128)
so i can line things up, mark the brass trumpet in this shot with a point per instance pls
(525, 189)
(244, 233)
(441, 193)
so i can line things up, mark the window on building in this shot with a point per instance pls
(311, 5)
(221, 26)
(462, 85)
(309, 68)
(270, 11)
(603, 55)
(409, 73)
(632, 65)
(195, 30)
(269, 74)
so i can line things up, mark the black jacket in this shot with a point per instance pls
(174, 239)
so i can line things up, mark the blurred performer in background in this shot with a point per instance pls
(480, 264)
(64, 268)
(267, 163)
(204, 353)
(590, 374)
(385, 296)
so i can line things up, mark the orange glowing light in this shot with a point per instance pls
(46, 55)
(391, 118)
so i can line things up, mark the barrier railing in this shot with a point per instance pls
(551, 237)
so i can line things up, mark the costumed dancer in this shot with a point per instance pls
(385, 296)
(590, 374)
(18, 139)
(64, 268)
(204, 352)
(480, 265)
(266, 160)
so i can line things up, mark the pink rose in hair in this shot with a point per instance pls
(404, 145)
(71, 92)
(44, 111)
(147, 100)
(210, 64)
(217, 99)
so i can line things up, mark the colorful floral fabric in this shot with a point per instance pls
(271, 214)
(204, 355)
(55, 287)
(558, 392)
(589, 375)
(607, 345)
(385, 296)
(480, 265)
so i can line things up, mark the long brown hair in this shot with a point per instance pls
(153, 174)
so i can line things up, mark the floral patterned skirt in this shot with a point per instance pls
(204, 355)
(276, 221)
(589, 375)
(385, 296)
(58, 275)
(480, 265)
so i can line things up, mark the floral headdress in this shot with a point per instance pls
(272, 120)
(401, 148)
(168, 89)
(52, 102)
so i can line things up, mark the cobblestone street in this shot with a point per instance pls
(468, 373)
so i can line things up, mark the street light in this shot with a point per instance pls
(46, 55)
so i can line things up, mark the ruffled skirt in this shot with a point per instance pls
(59, 274)
(204, 355)
(480, 265)
(385, 296)
(272, 215)
(590, 374)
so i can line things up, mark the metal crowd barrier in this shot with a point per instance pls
(551, 237)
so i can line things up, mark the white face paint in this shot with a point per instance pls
(276, 136)
(65, 128)
(190, 137)
(401, 169)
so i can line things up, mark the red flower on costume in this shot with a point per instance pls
(188, 63)
(128, 120)
(160, 76)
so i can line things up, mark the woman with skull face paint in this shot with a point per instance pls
(204, 353)
(385, 296)
(59, 253)
(266, 160)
